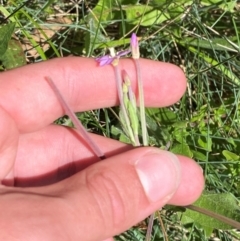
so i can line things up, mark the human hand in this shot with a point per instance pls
(102, 198)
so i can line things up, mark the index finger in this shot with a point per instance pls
(28, 98)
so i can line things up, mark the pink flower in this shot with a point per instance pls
(108, 59)
(135, 46)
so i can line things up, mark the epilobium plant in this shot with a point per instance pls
(136, 56)
(130, 104)
(128, 110)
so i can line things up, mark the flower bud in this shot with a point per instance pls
(135, 46)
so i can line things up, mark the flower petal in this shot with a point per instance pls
(134, 41)
(104, 60)
(123, 53)
(135, 46)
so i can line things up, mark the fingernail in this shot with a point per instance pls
(159, 173)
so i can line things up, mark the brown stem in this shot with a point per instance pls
(212, 214)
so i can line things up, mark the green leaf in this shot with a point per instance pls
(151, 124)
(182, 149)
(180, 124)
(102, 12)
(224, 204)
(215, 43)
(199, 155)
(231, 141)
(205, 142)
(200, 115)
(180, 134)
(126, 2)
(123, 138)
(114, 43)
(224, 5)
(163, 115)
(234, 166)
(115, 131)
(120, 135)
(144, 15)
(230, 156)
(14, 56)
(6, 32)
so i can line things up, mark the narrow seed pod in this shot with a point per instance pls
(78, 125)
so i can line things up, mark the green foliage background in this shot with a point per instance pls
(202, 37)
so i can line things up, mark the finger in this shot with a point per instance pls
(31, 102)
(8, 145)
(115, 194)
(192, 179)
(57, 152)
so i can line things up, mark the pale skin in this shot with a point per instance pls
(56, 189)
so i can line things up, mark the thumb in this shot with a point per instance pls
(115, 194)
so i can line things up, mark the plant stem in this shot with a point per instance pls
(220, 217)
(76, 121)
(149, 228)
(141, 103)
(122, 106)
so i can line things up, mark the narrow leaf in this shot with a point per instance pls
(144, 15)
(182, 149)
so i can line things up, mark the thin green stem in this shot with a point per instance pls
(141, 103)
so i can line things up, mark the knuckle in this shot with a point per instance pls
(108, 193)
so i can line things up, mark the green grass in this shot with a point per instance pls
(202, 37)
